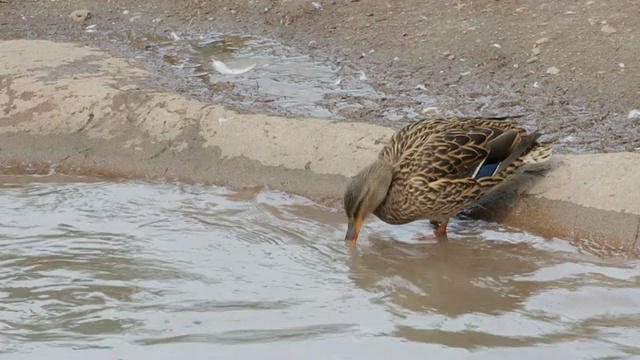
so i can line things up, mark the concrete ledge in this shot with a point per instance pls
(589, 199)
(80, 111)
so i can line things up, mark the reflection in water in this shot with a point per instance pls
(282, 79)
(135, 270)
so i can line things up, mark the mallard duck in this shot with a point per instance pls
(433, 168)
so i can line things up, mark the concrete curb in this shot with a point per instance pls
(84, 112)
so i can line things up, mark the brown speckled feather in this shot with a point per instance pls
(435, 163)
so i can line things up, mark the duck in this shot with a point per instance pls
(433, 168)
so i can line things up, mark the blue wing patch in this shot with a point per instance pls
(486, 170)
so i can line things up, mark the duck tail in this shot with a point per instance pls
(540, 152)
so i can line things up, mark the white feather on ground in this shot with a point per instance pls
(222, 68)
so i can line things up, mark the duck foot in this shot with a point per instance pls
(442, 229)
(440, 233)
(438, 238)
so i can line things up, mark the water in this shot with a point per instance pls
(121, 270)
(282, 79)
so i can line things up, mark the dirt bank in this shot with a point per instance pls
(84, 112)
(572, 67)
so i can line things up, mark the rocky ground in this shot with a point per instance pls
(571, 67)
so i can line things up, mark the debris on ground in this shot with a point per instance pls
(553, 70)
(222, 68)
(80, 15)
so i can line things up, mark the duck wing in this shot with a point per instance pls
(464, 153)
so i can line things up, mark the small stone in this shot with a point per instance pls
(542, 40)
(80, 15)
(536, 51)
(608, 29)
(532, 59)
(125, 12)
(431, 109)
(515, 66)
(448, 55)
(553, 70)
(634, 114)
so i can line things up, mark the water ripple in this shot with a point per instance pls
(136, 269)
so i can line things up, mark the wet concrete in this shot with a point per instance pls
(590, 199)
(84, 112)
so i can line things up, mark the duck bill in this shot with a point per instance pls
(353, 231)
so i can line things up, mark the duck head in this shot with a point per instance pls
(365, 192)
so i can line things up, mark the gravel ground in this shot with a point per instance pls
(571, 68)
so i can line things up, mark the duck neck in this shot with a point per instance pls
(379, 175)
(385, 206)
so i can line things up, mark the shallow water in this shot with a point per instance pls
(145, 271)
(283, 80)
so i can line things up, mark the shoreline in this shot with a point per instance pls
(95, 118)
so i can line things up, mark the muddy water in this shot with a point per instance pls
(282, 80)
(140, 271)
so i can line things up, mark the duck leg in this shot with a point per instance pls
(440, 232)
(442, 229)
